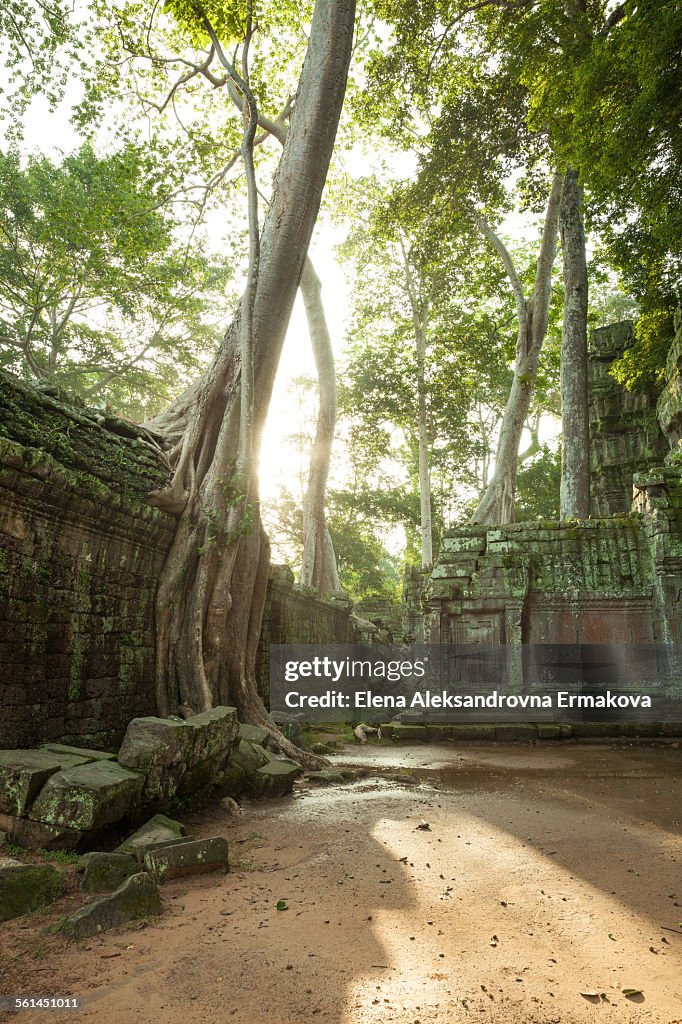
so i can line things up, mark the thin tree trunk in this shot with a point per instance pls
(497, 504)
(575, 457)
(419, 307)
(318, 568)
(212, 588)
(533, 428)
(424, 469)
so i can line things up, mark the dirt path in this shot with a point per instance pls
(544, 873)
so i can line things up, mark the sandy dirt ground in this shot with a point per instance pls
(542, 882)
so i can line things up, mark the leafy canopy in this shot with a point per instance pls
(96, 292)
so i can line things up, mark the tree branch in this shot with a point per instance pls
(505, 256)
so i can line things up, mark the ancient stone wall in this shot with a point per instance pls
(293, 616)
(80, 551)
(590, 582)
(625, 435)
(616, 577)
(80, 554)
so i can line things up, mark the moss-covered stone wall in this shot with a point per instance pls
(589, 582)
(605, 580)
(80, 554)
(669, 406)
(80, 550)
(294, 616)
(625, 435)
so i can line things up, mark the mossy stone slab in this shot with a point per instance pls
(89, 796)
(167, 749)
(26, 887)
(277, 778)
(89, 755)
(105, 872)
(214, 733)
(187, 857)
(250, 756)
(37, 835)
(254, 734)
(23, 773)
(138, 897)
(158, 829)
(153, 743)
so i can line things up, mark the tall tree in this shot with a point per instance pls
(496, 92)
(318, 566)
(497, 504)
(575, 423)
(212, 588)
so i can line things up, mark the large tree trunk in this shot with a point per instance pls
(212, 587)
(575, 458)
(318, 568)
(497, 504)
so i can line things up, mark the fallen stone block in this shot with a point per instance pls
(200, 776)
(36, 835)
(105, 872)
(89, 796)
(187, 857)
(214, 734)
(89, 755)
(161, 748)
(277, 778)
(254, 734)
(157, 830)
(250, 757)
(23, 773)
(26, 887)
(233, 780)
(163, 843)
(137, 898)
(167, 749)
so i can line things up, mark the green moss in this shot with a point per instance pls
(79, 629)
(27, 887)
(104, 460)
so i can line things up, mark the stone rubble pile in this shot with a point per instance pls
(58, 797)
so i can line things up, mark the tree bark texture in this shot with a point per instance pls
(318, 568)
(212, 588)
(424, 468)
(419, 307)
(575, 456)
(497, 504)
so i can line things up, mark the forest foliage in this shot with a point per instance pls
(113, 284)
